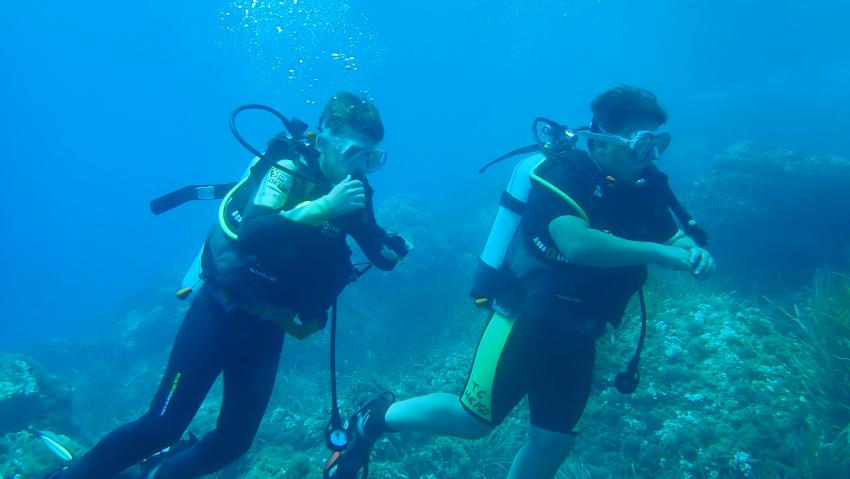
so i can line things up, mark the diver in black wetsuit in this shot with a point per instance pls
(273, 265)
(586, 226)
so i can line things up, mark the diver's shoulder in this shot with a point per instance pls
(575, 167)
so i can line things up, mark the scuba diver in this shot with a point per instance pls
(273, 265)
(569, 247)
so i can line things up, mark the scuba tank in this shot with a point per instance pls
(295, 141)
(487, 279)
(511, 208)
(551, 140)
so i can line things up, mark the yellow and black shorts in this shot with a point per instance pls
(519, 356)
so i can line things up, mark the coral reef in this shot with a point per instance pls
(730, 387)
(30, 396)
(775, 215)
(718, 398)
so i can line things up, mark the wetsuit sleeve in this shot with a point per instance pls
(660, 225)
(370, 237)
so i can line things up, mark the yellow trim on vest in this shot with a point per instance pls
(222, 209)
(557, 191)
(289, 321)
(286, 318)
(478, 395)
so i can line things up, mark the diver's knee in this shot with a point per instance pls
(240, 449)
(237, 446)
(164, 432)
(551, 443)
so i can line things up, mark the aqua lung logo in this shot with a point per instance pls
(598, 191)
(263, 275)
(549, 252)
(330, 229)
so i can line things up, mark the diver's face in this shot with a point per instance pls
(621, 160)
(347, 152)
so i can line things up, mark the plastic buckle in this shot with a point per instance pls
(504, 311)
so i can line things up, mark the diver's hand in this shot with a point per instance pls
(395, 247)
(675, 258)
(347, 196)
(702, 262)
(389, 254)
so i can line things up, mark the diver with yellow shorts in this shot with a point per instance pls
(568, 249)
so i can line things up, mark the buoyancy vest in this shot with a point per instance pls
(543, 282)
(262, 258)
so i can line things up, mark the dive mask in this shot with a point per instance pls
(645, 144)
(358, 157)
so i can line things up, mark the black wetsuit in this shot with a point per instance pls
(543, 343)
(222, 333)
(211, 341)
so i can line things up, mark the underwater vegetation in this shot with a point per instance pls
(824, 337)
(729, 389)
(732, 386)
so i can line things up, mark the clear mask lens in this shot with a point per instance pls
(649, 145)
(358, 157)
(368, 160)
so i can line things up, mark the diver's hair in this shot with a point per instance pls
(613, 109)
(354, 111)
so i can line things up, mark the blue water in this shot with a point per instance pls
(106, 105)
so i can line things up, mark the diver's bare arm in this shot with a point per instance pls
(313, 213)
(586, 246)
